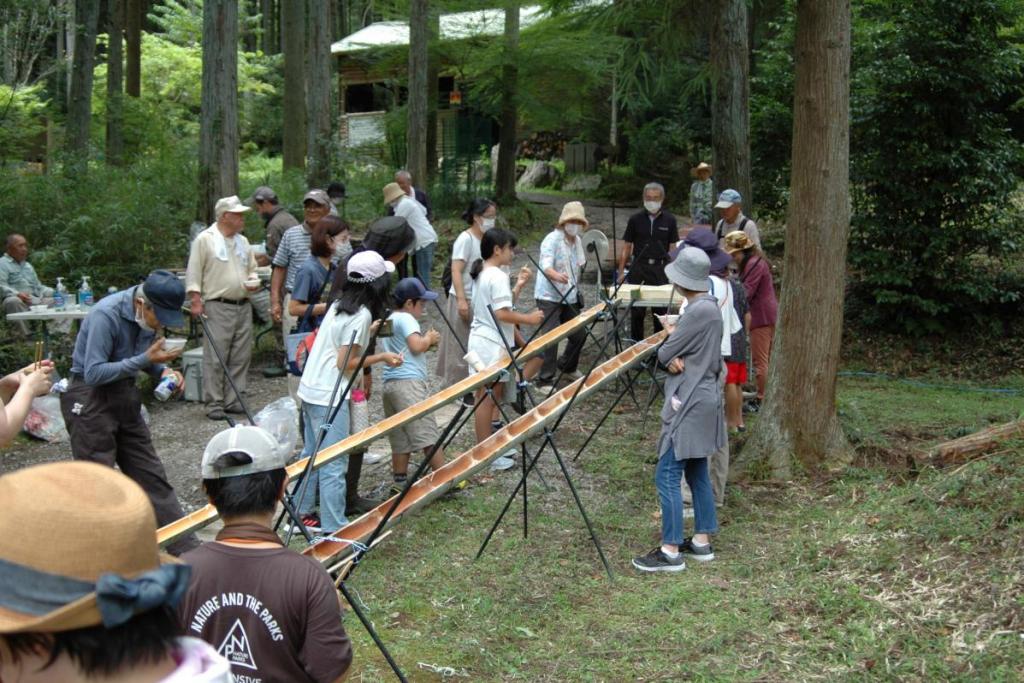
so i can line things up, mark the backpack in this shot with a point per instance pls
(721, 224)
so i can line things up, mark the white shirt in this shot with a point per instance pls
(321, 371)
(412, 211)
(492, 289)
(467, 250)
(731, 324)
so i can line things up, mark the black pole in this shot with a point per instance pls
(373, 633)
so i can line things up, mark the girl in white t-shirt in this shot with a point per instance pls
(486, 339)
(451, 368)
(361, 301)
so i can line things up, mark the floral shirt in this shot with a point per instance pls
(701, 194)
(566, 258)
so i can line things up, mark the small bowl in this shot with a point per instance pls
(253, 283)
(39, 308)
(668, 320)
(174, 344)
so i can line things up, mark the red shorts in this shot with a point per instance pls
(735, 373)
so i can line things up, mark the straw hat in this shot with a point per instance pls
(702, 166)
(737, 240)
(393, 192)
(690, 270)
(71, 530)
(573, 212)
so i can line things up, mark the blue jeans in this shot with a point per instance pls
(667, 478)
(329, 479)
(422, 262)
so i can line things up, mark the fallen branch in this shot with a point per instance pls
(966, 447)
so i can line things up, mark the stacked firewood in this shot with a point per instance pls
(543, 145)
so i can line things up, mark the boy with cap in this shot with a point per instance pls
(273, 613)
(406, 385)
(97, 606)
(102, 407)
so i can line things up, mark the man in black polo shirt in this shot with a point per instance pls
(650, 236)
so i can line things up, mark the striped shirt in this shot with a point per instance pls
(292, 252)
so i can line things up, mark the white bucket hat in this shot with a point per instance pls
(690, 270)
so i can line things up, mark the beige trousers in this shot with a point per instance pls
(230, 328)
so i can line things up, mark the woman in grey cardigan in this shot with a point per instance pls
(692, 419)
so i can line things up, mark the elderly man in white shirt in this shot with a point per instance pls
(426, 238)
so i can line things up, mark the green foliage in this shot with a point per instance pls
(934, 164)
(22, 111)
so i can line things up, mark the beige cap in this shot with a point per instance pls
(230, 204)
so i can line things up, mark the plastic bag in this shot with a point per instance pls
(45, 420)
(281, 418)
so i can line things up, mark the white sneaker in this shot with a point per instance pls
(504, 461)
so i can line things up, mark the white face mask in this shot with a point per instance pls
(572, 229)
(140, 320)
(652, 207)
(486, 224)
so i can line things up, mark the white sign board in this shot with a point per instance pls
(365, 129)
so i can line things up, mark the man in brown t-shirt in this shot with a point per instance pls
(274, 614)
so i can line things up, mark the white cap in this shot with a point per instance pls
(263, 450)
(230, 204)
(367, 266)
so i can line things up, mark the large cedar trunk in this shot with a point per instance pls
(133, 47)
(87, 14)
(416, 133)
(268, 41)
(218, 116)
(318, 95)
(730, 101)
(115, 83)
(433, 71)
(505, 184)
(293, 45)
(799, 414)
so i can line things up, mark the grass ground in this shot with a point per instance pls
(875, 573)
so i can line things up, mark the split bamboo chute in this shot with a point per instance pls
(208, 514)
(470, 462)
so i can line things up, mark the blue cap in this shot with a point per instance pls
(411, 288)
(728, 198)
(166, 294)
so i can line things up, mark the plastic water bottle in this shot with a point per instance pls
(168, 385)
(85, 292)
(60, 295)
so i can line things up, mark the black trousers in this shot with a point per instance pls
(106, 426)
(646, 274)
(571, 358)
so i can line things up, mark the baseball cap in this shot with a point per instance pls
(262, 194)
(411, 288)
(230, 204)
(367, 266)
(728, 198)
(166, 294)
(257, 445)
(318, 196)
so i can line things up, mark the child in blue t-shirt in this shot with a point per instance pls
(406, 385)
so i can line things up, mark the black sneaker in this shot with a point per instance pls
(657, 561)
(753, 406)
(705, 554)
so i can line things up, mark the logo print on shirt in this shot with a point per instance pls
(235, 647)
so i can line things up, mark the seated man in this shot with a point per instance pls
(97, 606)
(285, 624)
(18, 281)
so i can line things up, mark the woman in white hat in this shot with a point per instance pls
(557, 289)
(692, 419)
(701, 194)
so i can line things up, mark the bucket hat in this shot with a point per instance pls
(690, 270)
(393, 192)
(573, 212)
(705, 240)
(78, 548)
(702, 166)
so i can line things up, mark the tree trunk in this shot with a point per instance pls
(87, 14)
(268, 44)
(730, 101)
(799, 414)
(115, 82)
(133, 47)
(505, 184)
(419, 60)
(218, 116)
(318, 95)
(433, 72)
(293, 45)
